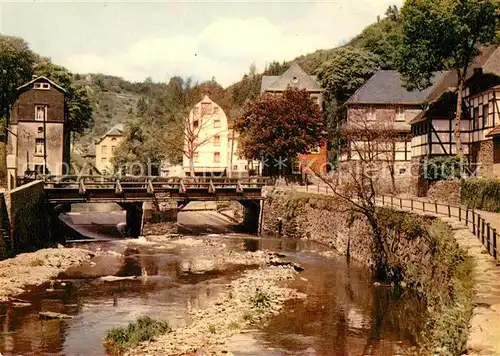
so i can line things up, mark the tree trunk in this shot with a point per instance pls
(458, 116)
(191, 165)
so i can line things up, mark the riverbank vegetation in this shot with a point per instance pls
(117, 340)
(418, 253)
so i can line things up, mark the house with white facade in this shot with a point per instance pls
(210, 147)
(433, 130)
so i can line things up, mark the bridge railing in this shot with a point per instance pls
(151, 183)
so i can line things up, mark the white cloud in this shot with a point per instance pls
(225, 48)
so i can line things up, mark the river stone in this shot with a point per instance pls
(48, 315)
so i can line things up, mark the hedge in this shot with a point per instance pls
(483, 194)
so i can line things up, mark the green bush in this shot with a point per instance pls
(445, 168)
(117, 340)
(481, 194)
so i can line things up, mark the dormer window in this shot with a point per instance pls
(295, 80)
(42, 86)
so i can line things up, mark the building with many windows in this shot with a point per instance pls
(433, 129)
(38, 138)
(105, 148)
(211, 147)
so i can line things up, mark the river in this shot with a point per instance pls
(344, 312)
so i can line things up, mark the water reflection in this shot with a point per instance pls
(343, 314)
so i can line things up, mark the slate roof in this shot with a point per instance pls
(294, 77)
(386, 87)
(116, 130)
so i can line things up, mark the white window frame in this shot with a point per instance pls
(216, 157)
(44, 107)
(41, 86)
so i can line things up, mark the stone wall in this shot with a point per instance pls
(443, 191)
(485, 159)
(32, 224)
(324, 220)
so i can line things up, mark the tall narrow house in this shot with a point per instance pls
(38, 132)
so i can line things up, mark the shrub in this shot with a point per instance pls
(117, 340)
(445, 168)
(481, 194)
(261, 300)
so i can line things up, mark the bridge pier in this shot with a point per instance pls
(251, 215)
(134, 218)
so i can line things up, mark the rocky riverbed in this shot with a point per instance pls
(246, 303)
(35, 268)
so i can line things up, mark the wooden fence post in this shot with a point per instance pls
(466, 217)
(436, 206)
(495, 255)
(473, 222)
(449, 211)
(401, 203)
(423, 206)
(482, 231)
(488, 236)
(411, 202)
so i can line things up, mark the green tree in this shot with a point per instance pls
(445, 35)
(346, 71)
(80, 110)
(278, 127)
(16, 68)
(139, 153)
(383, 38)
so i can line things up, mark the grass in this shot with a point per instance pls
(261, 300)
(212, 329)
(117, 340)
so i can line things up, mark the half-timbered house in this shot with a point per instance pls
(433, 129)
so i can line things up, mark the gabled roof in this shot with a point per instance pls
(116, 130)
(44, 79)
(386, 87)
(294, 77)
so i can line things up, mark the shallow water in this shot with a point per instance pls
(344, 313)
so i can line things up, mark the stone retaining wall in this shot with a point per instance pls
(32, 225)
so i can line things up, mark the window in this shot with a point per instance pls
(44, 86)
(476, 118)
(371, 115)
(246, 167)
(216, 140)
(216, 157)
(40, 112)
(39, 146)
(40, 132)
(104, 150)
(315, 99)
(216, 123)
(113, 148)
(103, 160)
(206, 108)
(400, 114)
(402, 171)
(216, 109)
(196, 157)
(235, 168)
(113, 139)
(485, 115)
(195, 123)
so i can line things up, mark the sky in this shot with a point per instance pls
(202, 40)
